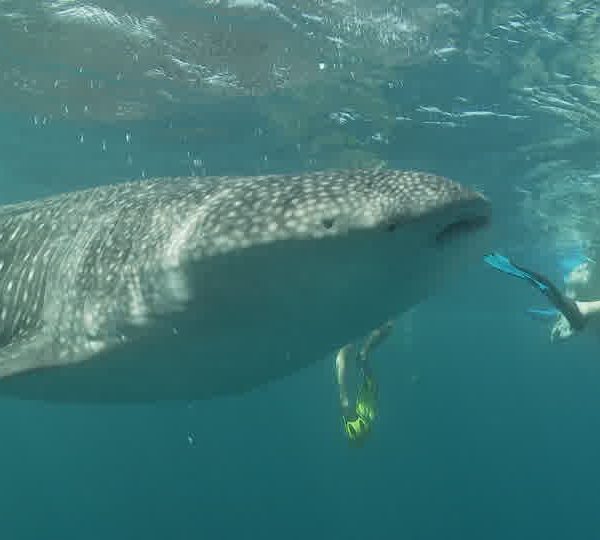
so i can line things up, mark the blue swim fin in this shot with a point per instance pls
(543, 315)
(504, 264)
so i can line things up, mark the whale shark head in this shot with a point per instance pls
(330, 253)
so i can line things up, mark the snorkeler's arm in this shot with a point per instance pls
(357, 422)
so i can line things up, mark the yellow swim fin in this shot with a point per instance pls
(358, 428)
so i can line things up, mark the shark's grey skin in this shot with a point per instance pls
(188, 288)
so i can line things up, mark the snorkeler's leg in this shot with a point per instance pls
(357, 422)
(368, 393)
(344, 357)
(355, 426)
(376, 338)
(567, 306)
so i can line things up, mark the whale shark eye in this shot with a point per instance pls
(327, 223)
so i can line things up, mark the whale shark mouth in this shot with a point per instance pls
(462, 226)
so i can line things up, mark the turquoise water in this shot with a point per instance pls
(486, 430)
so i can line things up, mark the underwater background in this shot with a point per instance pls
(486, 430)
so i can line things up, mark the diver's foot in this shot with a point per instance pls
(358, 423)
(366, 402)
(561, 330)
(357, 429)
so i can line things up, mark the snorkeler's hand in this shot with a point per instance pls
(561, 330)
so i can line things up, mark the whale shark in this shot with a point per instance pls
(189, 288)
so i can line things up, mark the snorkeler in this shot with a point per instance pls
(358, 421)
(573, 315)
